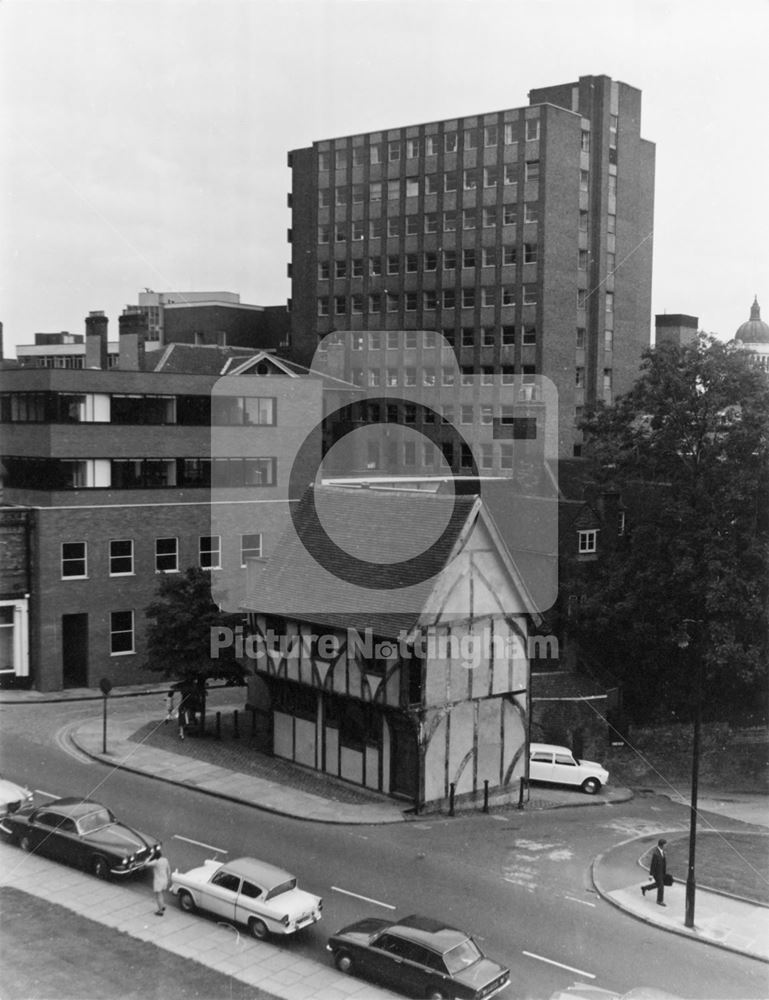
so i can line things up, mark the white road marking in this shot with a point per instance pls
(583, 901)
(64, 742)
(367, 899)
(198, 843)
(501, 819)
(39, 791)
(569, 968)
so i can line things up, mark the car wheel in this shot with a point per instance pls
(100, 868)
(591, 785)
(25, 843)
(343, 961)
(258, 928)
(186, 902)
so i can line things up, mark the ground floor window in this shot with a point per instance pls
(121, 632)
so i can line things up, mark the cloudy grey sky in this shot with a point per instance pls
(145, 141)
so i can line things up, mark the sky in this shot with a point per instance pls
(145, 141)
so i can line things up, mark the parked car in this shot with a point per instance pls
(418, 956)
(558, 766)
(12, 797)
(246, 891)
(82, 833)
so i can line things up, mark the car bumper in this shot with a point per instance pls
(137, 866)
(306, 921)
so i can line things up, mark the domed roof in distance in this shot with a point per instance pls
(754, 331)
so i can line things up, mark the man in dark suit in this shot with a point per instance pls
(657, 869)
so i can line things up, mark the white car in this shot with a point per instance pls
(250, 892)
(559, 766)
(12, 797)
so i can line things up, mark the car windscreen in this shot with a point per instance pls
(283, 887)
(94, 821)
(461, 955)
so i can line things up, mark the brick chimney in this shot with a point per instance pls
(96, 354)
(133, 334)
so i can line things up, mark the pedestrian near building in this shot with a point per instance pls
(161, 880)
(658, 870)
(169, 705)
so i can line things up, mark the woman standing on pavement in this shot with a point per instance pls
(161, 880)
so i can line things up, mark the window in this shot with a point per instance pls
(357, 267)
(391, 302)
(487, 414)
(412, 148)
(532, 129)
(468, 218)
(530, 335)
(582, 260)
(490, 215)
(611, 263)
(340, 268)
(250, 547)
(375, 302)
(610, 302)
(587, 541)
(411, 301)
(121, 632)
(412, 263)
(468, 257)
(324, 197)
(340, 159)
(73, 560)
(391, 378)
(607, 385)
(529, 295)
(375, 229)
(529, 254)
(510, 174)
(509, 256)
(430, 261)
(210, 551)
(470, 182)
(447, 376)
(611, 223)
(487, 336)
(471, 138)
(509, 215)
(466, 414)
(508, 295)
(358, 194)
(431, 145)
(531, 212)
(583, 217)
(166, 555)
(608, 340)
(428, 376)
(579, 378)
(581, 332)
(429, 340)
(431, 222)
(340, 305)
(394, 226)
(508, 336)
(581, 298)
(394, 150)
(449, 221)
(488, 257)
(431, 184)
(393, 264)
(467, 375)
(584, 180)
(612, 186)
(375, 153)
(393, 189)
(532, 170)
(358, 230)
(489, 295)
(450, 182)
(449, 298)
(450, 142)
(490, 135)
(468, 336)
(490, 176)
(584, 141)
(506, 456)
(121, 557)
(449, 260)
(324, 234)
(358, 156)
(430, 299)
(341, 196)
(375, 266)
(375, 343)
(324, 270)
(324, 161)
(487, 375)
(356, 304)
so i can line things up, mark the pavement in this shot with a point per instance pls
(272, 966)
(720, 920)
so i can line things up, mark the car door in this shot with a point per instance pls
(565, 769)
(419, 972)
(541, 765)
(250, 902)
(220, 895)
(384, 961)
(43, 833)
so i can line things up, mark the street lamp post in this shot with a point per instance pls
(106, 686)
(684, 641)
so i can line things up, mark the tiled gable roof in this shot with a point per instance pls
(377, 528)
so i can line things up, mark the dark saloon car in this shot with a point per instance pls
(82, 833)
(418, 956)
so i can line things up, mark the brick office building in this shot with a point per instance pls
(118, 471)
(523, 236)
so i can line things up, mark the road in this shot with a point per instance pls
(518, 881)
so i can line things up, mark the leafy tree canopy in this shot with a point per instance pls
(182, 619)
(688, 450)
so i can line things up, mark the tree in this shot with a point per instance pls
(182, 619)
(688, 449)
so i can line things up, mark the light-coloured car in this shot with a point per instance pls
(558, 766)
(12, 797)
(586, 991)
(264, 898)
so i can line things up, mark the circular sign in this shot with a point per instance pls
(106, 686)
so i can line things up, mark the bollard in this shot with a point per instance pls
(218, 725)
(520, 793)
(235, 732)
(451, 799)
(486, 796)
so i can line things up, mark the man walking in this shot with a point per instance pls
(161, 880)
(657, 869)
